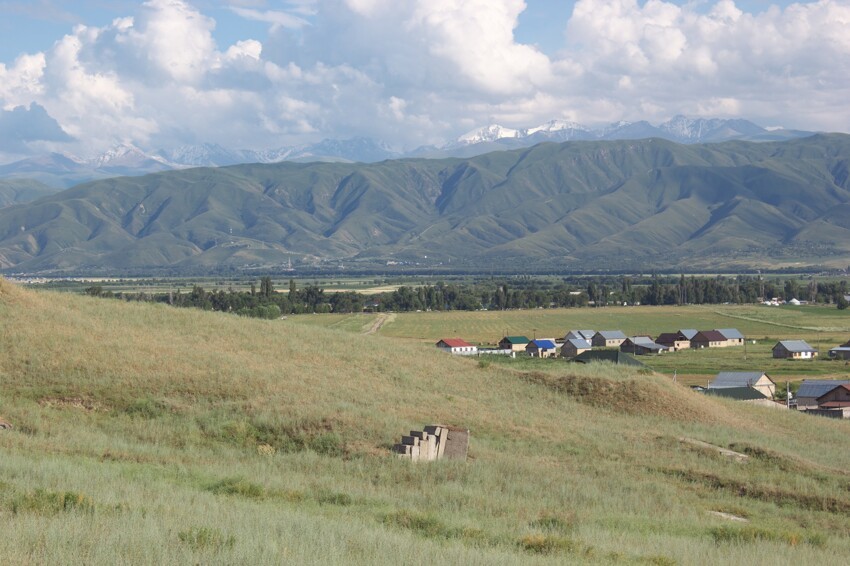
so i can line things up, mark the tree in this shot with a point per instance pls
(266, 287)
(841, 303)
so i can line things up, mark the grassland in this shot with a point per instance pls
(822, 326)
(150, 435)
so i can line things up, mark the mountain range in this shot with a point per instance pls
(64, 170)
(624, 205)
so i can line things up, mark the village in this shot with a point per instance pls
(829, 398)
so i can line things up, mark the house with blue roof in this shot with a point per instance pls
(541, 348)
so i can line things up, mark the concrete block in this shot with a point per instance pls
(434, 429)
(410, 440)
(457, 445)
(432, 447)
(402, 449)
(421, 435)
(414, 453)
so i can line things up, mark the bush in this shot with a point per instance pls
(44, 502)
(204, 537)
(237, 486)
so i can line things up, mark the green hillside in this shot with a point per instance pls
(19, 191)
(149, 435)
(626, 204)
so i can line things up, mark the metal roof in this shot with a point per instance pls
(580, 343)
(817, 387)
(730, 333)
(726, 379)
(847, 387)
(689, 333)
(612, 334)
(582, 334)
(613, 356)
(796, 346)
(543, 344)
(455, 343)
(710, 335)
(516, 339)
(737, 393)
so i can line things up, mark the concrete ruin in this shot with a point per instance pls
(435, 442)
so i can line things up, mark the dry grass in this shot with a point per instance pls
(192, 437)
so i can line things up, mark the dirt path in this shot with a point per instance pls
(383, 318)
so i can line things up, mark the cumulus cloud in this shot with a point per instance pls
(684, 60)
(21, 126)
(423, 71)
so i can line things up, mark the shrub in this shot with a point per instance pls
(328, 444)
(46, 502)
(206, 538)
(548, 544)
(146, 408)
(237, 486)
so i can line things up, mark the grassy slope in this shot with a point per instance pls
(140, 430)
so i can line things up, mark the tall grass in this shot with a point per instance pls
(145, 434)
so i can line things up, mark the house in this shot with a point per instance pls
(513, 343)
(608, 339)
(574, 346)
(732, 335)
(674, 340)
(836, 398)
(611, 356)
(541, 348)
(688, 333)
(580, 335)
(737, 393)
(708, 339)
(457, 346)
(641, 346)
(794, 350)
(812, 389)
(758, 380)
(841, 352)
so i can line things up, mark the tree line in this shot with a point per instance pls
(264, 301)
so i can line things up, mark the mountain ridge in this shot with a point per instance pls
(574, 205)
(65, 170)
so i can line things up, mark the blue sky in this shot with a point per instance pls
(267, 73)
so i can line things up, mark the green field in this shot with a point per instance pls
(145, 434)
(823, 327)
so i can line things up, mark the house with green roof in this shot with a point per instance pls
(514, 343)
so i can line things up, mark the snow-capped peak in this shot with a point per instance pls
(557, 126)
(492, 132)
(125, 155)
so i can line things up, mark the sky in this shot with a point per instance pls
(81, 77)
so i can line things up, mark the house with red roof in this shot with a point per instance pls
(457, 346)
(708, 339)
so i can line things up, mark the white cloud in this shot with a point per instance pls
(419, 71)
(277, 19)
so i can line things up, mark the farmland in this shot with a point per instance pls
(822, 326)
